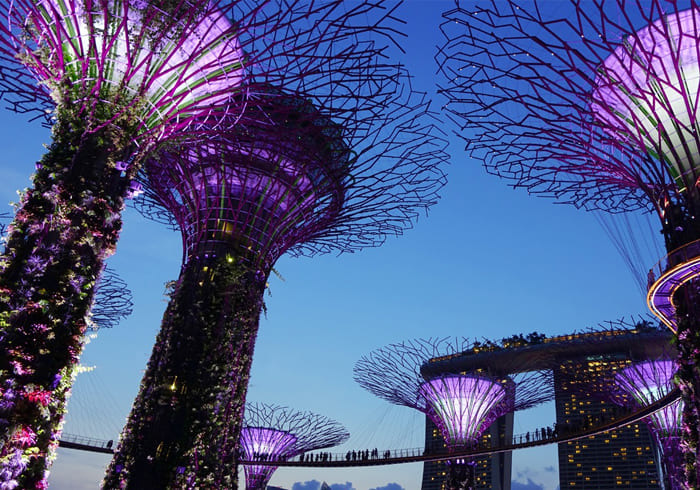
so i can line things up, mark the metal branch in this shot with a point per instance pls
(388, 166)
(113, 300)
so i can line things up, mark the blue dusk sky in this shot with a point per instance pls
(486, 262)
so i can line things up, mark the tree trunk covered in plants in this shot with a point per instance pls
(687, 302)
(184, 427)
(68, 223)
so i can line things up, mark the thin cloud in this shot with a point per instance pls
(389, 486)
(316, 485)
(307, 485)
(342, 486)
(530, 485)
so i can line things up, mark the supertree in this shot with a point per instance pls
(273, 433)
(462, 404)
(594, 105)
(335, 163)
(112, 79)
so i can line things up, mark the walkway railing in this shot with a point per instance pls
(375, 457)
(72, 441)
(562, 434)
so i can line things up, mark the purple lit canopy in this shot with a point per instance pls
(647, 382)
(465, 406)
(265, 445)
(273, 433)
(290, 178)
(258, 189)
(645, 93)
(111, 51)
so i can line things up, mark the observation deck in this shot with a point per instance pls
(673, 271)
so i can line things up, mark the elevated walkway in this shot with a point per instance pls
(400, 456)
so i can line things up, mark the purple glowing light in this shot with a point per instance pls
(464, 406)
(105, 49)
(261, 443)
(264, 444)
(646, 92)
(257, 188)
(648, 382)
(277, 190)
(272, 433)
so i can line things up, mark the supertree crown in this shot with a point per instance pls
(154, 63)
(596, 108)
(647, 382)
(645, 93)
(274, 433)
(463, 404)
(288, 177)
(171, 66)
(272, 180)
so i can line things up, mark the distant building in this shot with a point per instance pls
(626, 458)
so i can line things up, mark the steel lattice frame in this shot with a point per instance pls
(356, 182)
(335, 163)
(114, 79)
(593, 105)
(113, 301)
(646, 377)
(402, 375)
(274, 433)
